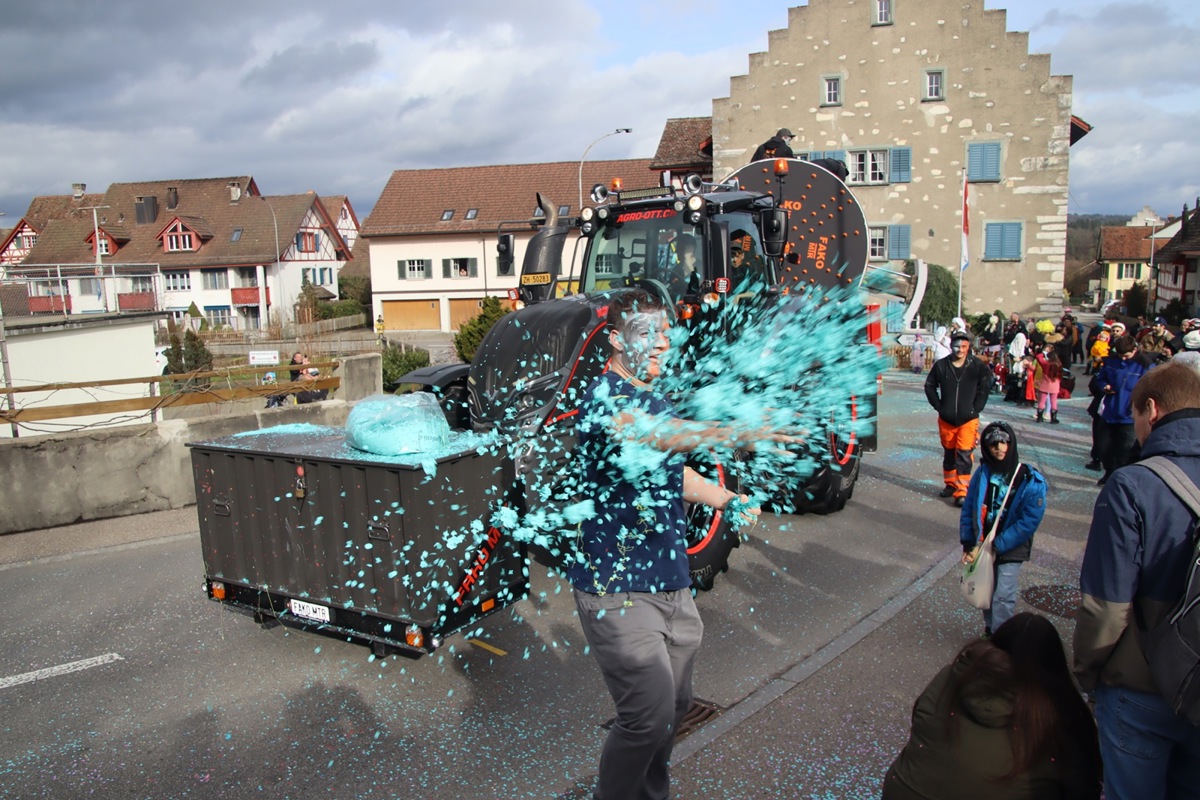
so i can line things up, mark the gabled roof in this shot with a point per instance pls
(206, 205)
(1079, 129)
(686, 143)
(45, 208)
(1125, 243)
(1185, 242)
(414, 200)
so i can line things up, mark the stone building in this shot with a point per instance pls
(913, 96)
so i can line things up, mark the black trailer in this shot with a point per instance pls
(299, 527)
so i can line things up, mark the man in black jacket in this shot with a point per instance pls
(957, 387)
(778, 146)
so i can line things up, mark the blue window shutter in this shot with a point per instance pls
(299, 243)
(317, 242)
(991, 241)
(836, 155)
(983, 161)
(1002, 241)
(402, 270)
(991, 161)
(901, 165)
(899, 242)
(1012, 240)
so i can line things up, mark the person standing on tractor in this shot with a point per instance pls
(778, 146)
(957, 387)
(630, 573)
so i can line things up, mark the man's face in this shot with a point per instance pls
(1129, 355)
(640, 343)
(961, 348)
(736, 256)
(1014, 318)
(998, 450)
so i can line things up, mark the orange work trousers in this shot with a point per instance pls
(958, 453)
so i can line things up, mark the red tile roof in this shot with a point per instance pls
(1125, 243)
(414, 200)
(686, 144)
(207, 205)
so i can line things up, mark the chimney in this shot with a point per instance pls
(77, 189)
(172, 197)
(235, 191)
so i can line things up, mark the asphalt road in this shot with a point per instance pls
(179, 698)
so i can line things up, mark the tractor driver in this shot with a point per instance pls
(744, 263)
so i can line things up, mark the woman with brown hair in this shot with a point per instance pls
(1005, 720)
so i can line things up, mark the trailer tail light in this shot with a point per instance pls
(413, 636)
(299, 470)
(218, 590)
(487, 605)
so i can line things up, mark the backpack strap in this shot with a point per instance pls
(1176, 480)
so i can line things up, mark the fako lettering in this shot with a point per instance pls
(477, 567)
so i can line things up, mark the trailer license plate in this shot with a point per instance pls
(309, 610)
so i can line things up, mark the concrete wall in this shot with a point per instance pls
(61, 479)
(995, 91)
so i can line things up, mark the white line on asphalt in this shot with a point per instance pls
(61, 669)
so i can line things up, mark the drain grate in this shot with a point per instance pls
(700, 712)
(1062, 601)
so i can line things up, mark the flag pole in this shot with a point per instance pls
(964, 252)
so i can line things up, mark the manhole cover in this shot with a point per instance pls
(700, 712)
(1062, 601)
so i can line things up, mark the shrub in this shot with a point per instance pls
(471, 334)
(338, 308)
(1134, 300)
(397, 362)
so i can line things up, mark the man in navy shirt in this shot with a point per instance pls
(630, 575)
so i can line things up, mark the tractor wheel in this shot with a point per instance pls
(710, 538)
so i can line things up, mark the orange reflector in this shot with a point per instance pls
(218, 590)
(687, 311)
(781, 166)
(300, 470)
(488, 605)
(413, 636)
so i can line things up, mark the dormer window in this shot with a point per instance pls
(448, 215)
(178, 239)
(104, 248)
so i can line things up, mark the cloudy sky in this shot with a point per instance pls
(334, 96)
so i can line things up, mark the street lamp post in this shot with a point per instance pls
(584, 158)
(262, 289)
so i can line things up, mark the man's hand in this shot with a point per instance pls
(740, 513)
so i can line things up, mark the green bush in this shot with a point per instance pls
(1134, 300)
(471, 334)
(397, 362)
(338, 308)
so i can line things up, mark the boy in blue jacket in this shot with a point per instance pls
(988, 495)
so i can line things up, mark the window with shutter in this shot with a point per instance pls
(983, 161)
(1002, 241)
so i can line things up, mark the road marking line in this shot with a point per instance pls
(61, 669)
(488, 647)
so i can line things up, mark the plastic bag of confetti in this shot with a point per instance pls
(392, 425)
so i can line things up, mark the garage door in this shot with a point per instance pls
(463, 310)
(412, 315)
